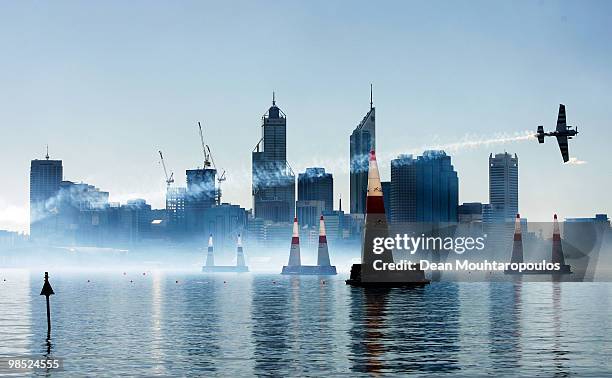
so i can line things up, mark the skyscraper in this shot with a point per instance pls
(45, 178)
(503, 187)
(425, 189)
(316, 185)
(175, 209)
(273, 178)
(362, 141)
(200, 196)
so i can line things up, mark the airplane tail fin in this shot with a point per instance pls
(540, 134)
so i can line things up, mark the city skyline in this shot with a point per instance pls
(105, 104)
(457, 147)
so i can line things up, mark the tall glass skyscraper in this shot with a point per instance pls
(424, 189)
(362, 141)
(45, 179)
(273, 178)
(503, 186)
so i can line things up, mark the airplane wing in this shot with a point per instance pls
(562, 140)
(561, 123)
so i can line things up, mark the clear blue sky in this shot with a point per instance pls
(107, 84)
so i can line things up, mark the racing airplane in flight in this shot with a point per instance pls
(563, 133)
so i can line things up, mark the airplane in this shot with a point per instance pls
(563, 133)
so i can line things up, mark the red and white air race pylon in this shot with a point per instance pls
(239, 253)
(323, 251)
(517, 245)
(210, 256)
(294, 252)
(557, 249)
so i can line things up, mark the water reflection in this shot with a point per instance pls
(404, 330)
(441, 325)
(368, 308)
(157, 298)
(559, 351)
(202, 316)
(269, 314)
(505, 328)
(313, 330)
(15, 320)
(235, 325)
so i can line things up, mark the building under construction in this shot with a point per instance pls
(199, 197)
(202, 193)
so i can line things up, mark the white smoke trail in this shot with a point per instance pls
(468, 142)
(575, 161)
(473, 141)
(340, 164)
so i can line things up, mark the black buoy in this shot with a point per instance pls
(47, 291)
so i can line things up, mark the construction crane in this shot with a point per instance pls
(220, 177)
(206, 153)
(169, 179)
(210, 162)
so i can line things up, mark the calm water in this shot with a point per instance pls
(269, 324)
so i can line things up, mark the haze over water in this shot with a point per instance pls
(251, 324)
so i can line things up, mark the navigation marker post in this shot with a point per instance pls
(47, 291)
